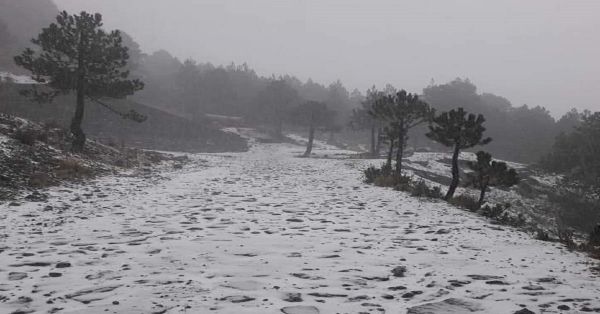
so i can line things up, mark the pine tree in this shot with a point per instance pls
(488, 173)
(274, 103)
(459, 130)
(76, 55)
(362, 119)
(400, 112)
(315, 115)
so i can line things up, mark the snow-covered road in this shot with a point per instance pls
(265, 232)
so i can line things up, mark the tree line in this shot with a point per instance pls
(395, 114)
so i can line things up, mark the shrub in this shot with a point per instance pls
(421, 189)
(40, 180)
(72, 168)
(594, 237)
(398, 182)
(576, 210)
(542, 235)
(565, 236)
(493, 211)
(26, 136)
(371, 174)
(465, 201)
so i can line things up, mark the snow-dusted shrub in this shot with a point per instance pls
(495, 211)
(371, 174)
(465, 201)
(26, 136)
(594, 237)
(421, 189)
(72, 168)
(576, 210)
(565, 236)
(542, 235)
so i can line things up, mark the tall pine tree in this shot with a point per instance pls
(314, 115)
(488, 173)
(400, 112)
(459, 130)
(76, 55)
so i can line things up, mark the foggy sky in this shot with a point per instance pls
(535, 52)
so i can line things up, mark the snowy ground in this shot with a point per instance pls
(266, 232)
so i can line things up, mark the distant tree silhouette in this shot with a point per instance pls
(362, 119)
(315, 115)
(488, 173)
(76, 55)
(274, 103)
(459, 130)
(400, 113)
(577, 154)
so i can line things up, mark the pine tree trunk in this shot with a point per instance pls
(390, 153)
(311, 137)
(378, 143)
(279, 129)
(481, 196)
(373, 144)
(455, 174)
(400, 151)
(78, 135)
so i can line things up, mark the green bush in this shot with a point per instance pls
(421, 189)
(493, 212)
(465, 201)
(542, 235)
(371, 174)
(26, 136)
(594, 237)
(576, 210)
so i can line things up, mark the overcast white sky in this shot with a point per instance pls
(535, 52)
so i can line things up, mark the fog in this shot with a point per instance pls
(537, 52)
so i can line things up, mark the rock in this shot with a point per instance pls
(448, 306)
(399, 271)
(533, 288)
(327, 295)
(238, 298)
(411, 294)
(55, 274)
(524, 311)
(496, 282)
(293, 297)
(300, 309)
(36, 197)
(484, 277)
(16, 276)
(563, 307)
(63, 265)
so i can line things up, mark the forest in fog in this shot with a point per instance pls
(135, 180)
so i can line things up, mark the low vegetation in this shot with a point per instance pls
(34, 156)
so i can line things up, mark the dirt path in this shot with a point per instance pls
(264, 232)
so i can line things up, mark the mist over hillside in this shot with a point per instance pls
(148, 180)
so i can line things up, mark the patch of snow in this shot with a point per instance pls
(16, 79)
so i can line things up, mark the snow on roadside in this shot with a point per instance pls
(16, 79)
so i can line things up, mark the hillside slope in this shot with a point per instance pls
(161, 130)
(34, 157)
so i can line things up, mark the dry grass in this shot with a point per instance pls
(71, 168)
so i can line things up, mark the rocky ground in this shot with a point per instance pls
(34, 156)
(267, 232)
